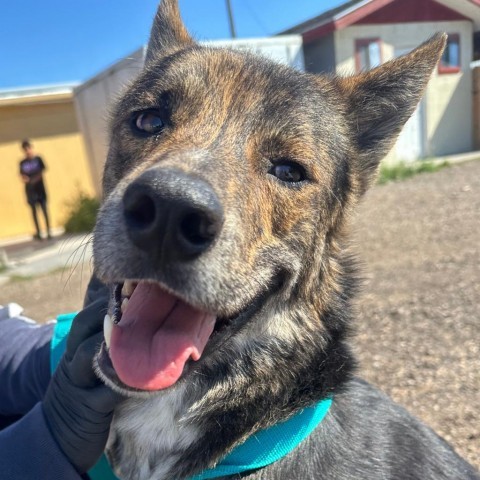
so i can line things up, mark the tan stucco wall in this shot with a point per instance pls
(54, 132)
(448, 101)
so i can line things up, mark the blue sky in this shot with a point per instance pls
(54, 41)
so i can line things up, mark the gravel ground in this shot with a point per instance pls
(418, 326)
(418, 335)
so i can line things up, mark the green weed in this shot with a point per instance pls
(20, 278)
(82, 214)
(401, 171)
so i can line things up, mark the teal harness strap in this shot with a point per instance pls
(58, 343)
(259, 450)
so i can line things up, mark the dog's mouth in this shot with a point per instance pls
(150, 335)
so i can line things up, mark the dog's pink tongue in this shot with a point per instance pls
(157, 334)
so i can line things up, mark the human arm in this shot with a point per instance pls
(25, 355)
(27, 448)
(25, 178)
(76, 412)
(35, 178)
(31, 170)
(78, 407)
(28, 451)
(24, 361)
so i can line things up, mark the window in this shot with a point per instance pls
(368, 53)
(450, 61)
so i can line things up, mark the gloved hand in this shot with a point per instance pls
(95, 289)
(78, 407)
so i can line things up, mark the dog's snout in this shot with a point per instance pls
(171, 215)
(139, 209)
(198, 228)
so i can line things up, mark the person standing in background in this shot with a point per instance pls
(31, 171)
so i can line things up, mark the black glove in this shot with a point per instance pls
(95, 289)
(78, 407)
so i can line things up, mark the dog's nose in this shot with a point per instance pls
(172, 215)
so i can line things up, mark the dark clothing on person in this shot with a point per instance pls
(35, 191)
(27, 448)
(29, 452)
(43, 206)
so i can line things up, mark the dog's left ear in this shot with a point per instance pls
(168, 32)
(379, 103)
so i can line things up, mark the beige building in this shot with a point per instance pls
(46, 116)
(362, 34)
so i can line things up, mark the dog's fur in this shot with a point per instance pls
(278, 275)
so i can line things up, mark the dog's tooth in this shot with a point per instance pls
(128, 288)
(107, 329)
(124, 304)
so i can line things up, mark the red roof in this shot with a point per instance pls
(386, 11)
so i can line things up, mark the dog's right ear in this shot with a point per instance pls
(168, 32)
(379, 103)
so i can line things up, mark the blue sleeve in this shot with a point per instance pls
(24, 363)
(28, 451)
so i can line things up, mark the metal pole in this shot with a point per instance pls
(230, 19)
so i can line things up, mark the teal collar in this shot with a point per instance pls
(269, 445)
(259, 450)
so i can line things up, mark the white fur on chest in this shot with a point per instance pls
(153, 433)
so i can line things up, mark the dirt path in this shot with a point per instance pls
(418, 325)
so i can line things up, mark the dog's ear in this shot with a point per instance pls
(168, 32)
(379, 102)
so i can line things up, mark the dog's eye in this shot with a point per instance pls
(148, 122)
(288, 172)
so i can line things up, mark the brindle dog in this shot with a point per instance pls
(228, 186)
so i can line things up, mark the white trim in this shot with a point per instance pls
(465, 8)
(136, 56)
(312, 26)
(350, 10)
(37, 91)
(292, 39)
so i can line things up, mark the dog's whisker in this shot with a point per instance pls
(76, 258)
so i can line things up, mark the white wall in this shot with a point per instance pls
(93, 100)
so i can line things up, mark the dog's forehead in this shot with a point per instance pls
(225, 100)
(225, 76)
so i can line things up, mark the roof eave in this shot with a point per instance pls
(25, 100)
(344, 18)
